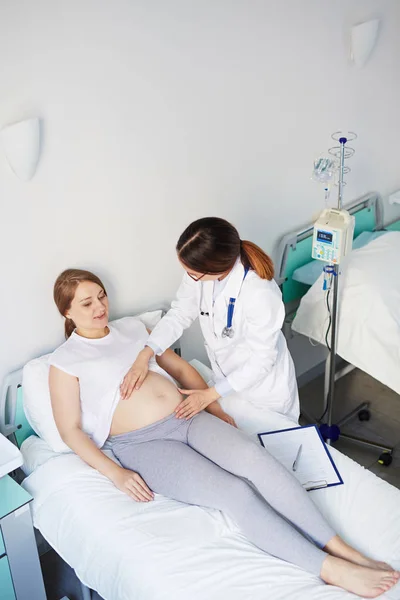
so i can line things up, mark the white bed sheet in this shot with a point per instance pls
(369, 310)
(167, 550)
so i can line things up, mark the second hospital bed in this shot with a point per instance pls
(369, 293)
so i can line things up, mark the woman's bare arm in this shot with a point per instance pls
(65, 402)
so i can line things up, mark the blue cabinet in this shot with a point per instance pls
(6, 584)
(20, 573)
(2, 546)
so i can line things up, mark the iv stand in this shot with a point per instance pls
(329, 431)
(332, 361)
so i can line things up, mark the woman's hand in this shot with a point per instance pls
(196, 401)
(137, 373)
(132, 484)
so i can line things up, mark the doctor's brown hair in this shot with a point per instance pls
(212, 245)
(64, 292)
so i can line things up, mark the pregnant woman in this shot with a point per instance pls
(202, 460)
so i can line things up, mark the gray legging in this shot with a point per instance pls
(207, 462)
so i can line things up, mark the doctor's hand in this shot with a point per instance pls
(132, 484)
(137, 373)
(196, 401)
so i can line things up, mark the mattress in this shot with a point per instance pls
(167, 550)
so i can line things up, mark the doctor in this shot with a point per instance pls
(228, 284)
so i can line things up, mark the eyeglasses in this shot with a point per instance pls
(197, 278)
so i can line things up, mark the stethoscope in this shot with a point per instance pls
(228, 331)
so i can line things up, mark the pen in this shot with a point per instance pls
(317, 487)
(296, 460)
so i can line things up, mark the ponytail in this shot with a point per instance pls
(254, 258)
(69, 327)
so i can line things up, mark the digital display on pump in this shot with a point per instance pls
(324, 236)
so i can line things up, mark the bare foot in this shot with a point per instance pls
(363, 581)
(360, 559)
(337, 547)
(372, 564)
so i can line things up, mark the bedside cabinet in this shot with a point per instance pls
(20, 572)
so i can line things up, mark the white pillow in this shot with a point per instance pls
(37, 404)
(150, 318)
(36, 393)
(35, 452)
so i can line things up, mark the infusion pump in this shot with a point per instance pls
(333, 235)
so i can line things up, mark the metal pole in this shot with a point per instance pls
(342, 142)
(332, 365)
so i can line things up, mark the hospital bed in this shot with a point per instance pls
(369, 296)
(168, 550)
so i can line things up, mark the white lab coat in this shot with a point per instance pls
(256, 361)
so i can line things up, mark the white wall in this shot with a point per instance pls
(157, 112)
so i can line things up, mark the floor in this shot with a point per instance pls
(382, 428)
(356, 387)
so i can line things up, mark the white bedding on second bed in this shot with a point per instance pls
(369, 310)
(166, 549)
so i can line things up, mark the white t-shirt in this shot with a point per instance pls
(100, 365)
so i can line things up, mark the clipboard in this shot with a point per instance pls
(316, 468)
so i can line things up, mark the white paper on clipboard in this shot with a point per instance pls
(315, 468)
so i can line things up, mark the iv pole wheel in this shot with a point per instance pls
(385, 459)
(364, 415)
(329, 432)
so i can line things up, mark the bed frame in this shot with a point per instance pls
(393, 226)
(13, 422)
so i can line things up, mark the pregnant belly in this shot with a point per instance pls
(156, 399)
